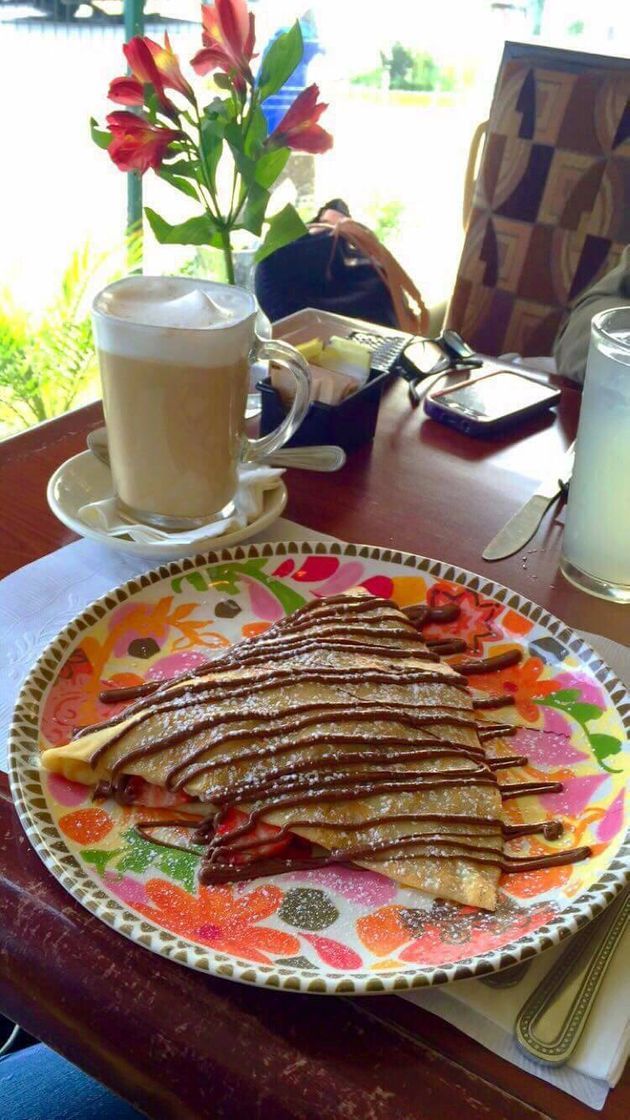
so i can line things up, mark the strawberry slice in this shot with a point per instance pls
(140, 792)
(252, 849)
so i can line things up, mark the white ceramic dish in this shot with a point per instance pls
(84, 479)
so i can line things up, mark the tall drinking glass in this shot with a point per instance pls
(596, 546)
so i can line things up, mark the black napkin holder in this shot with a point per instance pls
(348, 424)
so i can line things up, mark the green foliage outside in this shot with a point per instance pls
(403, 69)
(384, 218)
(47, 361)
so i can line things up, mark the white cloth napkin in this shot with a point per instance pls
(39, 599)
(253, 483)
(488, 1015)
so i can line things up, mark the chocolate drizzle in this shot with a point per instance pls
(196, 762)
(338, 748)
(495, 731)
(490, 664)
(488, 702)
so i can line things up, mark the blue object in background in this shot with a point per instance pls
(276, 106)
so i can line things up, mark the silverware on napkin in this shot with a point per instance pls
(321, 457)
(551, 1021)
(522, 526)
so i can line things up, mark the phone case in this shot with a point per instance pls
(485, 428)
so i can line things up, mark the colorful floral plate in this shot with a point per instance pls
(334, 930)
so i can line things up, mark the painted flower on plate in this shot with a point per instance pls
(525, 682)
(225, 920)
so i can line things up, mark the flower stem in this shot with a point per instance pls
(227, 256)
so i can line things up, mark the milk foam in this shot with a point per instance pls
(171, 319)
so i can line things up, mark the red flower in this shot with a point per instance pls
(126, 91)
(226, 920)
(525, 682)
(136, 144)
(299, 129)
(447, 932)
(168, 67)
(476, 620)
(228, 38)
(141, 54)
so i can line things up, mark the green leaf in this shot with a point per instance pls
(245, 165)
(253, 215)
(99, 859)
(178, 865)
(220, 109)
(151, 102)
(256, 134)
(222, 81)
(284, 227)
(564, 696)
(279, 61)
(188, 169)
(224, 578)
(100, 137)
(195, 579)
(212, 133)
(178, 182)
(604, 746)
(140, 854)
(195, 231)
(270, 165)
(584, 712)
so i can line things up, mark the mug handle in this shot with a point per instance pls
(275, 351)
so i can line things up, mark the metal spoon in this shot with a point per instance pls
(323, 457)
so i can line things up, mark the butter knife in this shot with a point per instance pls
(521, 527)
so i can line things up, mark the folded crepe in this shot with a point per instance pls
(338, 726)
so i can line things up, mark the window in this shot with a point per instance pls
(406, 93)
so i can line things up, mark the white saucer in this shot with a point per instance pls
(84, 479)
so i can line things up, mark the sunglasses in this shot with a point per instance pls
(424, 357)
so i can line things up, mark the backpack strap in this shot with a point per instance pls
(411, 312)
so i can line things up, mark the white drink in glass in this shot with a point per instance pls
(596, 545)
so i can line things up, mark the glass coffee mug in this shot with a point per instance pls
(175, 355)
(596, 543)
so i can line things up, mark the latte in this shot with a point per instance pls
(174, 360)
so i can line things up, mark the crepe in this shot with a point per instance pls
(337, 725)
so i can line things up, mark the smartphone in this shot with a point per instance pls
(490, 403)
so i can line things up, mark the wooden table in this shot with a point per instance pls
(180, 1045)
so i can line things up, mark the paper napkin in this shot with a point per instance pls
(253, 483)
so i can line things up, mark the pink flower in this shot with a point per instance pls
(612, 824)
(299, 129)
(174, 664)
(366, 888)
(590, 691)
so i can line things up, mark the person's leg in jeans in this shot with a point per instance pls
(38, 1084)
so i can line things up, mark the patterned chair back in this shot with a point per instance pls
(551, 206)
